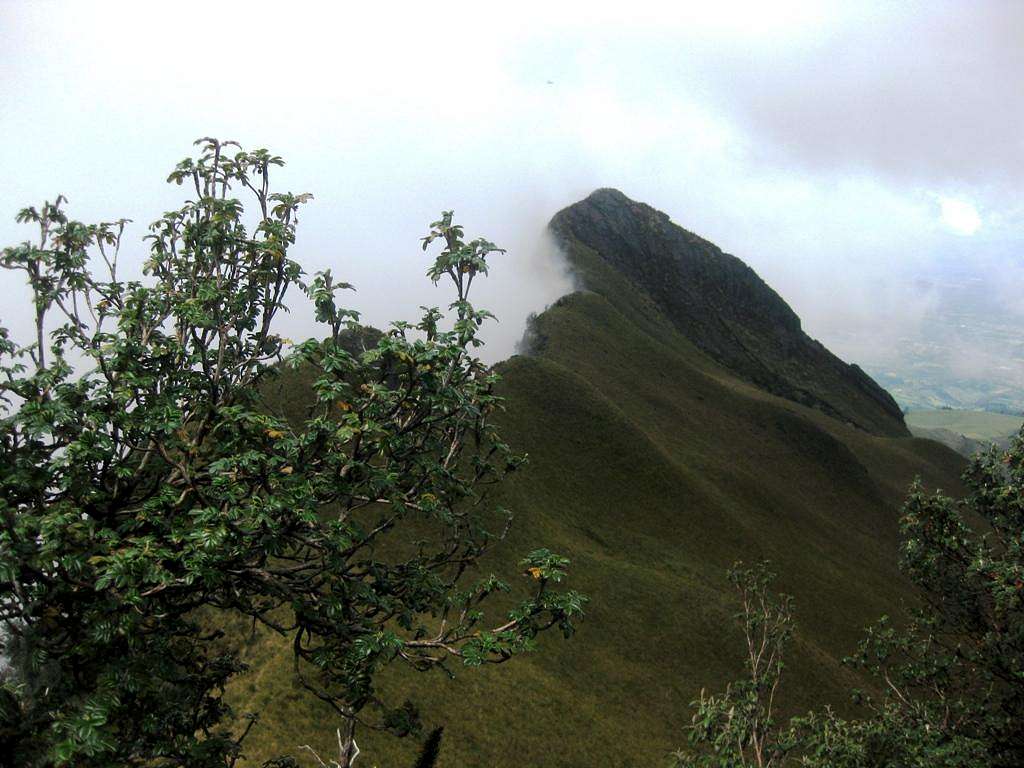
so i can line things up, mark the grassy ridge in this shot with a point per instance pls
(719, 303)
(653, 469)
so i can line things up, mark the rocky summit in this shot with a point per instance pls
(721, 305)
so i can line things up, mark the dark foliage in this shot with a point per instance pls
(431, 749)
(148, 496)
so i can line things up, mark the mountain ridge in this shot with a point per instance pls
(720, 304)
(653, 467)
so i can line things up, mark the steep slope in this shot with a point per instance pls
(653, 467)
(722, 306)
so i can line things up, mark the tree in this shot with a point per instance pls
(950, 673)
(738, 727)
(146, 490)
(954, 674)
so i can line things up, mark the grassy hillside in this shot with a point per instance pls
(719, 304)
(653, 469)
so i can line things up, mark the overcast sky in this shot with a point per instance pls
(855, 155)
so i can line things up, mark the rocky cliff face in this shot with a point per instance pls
(722, 307)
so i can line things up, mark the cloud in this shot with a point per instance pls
(809, 138)
(920, 92)
(959, 215)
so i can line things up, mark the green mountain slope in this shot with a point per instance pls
(653, 467)
(721, 305)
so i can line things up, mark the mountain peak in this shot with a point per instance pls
(720, 304)
(610, 194)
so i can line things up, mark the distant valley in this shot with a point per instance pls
(964, 431)
(968, 352)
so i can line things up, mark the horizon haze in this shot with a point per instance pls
(866, 161)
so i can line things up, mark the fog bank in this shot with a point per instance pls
(865, 161)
